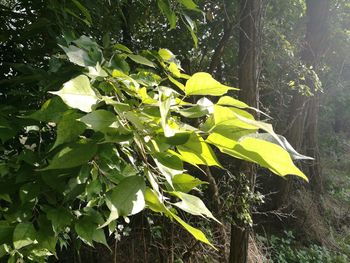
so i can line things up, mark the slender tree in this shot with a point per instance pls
(303, 109)
(249, 93)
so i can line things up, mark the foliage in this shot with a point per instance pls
(286, 250)
(113, 141)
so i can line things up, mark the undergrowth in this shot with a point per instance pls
(286, 249)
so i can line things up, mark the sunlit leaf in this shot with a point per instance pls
(260, 151)
(196, 233)
(197, 151)
(229, 101)
(166, 54)
(202, 83)
(169, 165)
(285, 144)
(189, 4)
(153, 202)
(185, 182)
(193, 205)
(77, 93)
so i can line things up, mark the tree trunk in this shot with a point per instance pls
(249, 93)
(302, 133)
(316, 37)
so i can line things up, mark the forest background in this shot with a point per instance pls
(290, 60)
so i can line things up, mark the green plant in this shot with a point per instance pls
(113, 141)
(285, 249)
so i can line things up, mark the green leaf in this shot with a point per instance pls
(174, 70)
(153, 202)
(196, 233)
(73, 155)
(122, 48)
(178, 139)
(194, 111)
(97, 71)
(24, 235)
(193, 205)
(60, 217)
(28, 192)
(191, 26)
(220, 140)
(84, 10)
(88, 231)
(4, 250)
(189, 4)
(68, 128)
(227, 146)
(78, 56)
(226, 119)
(118, 62)
(169, 165)
(6, 232)
(229, 101)
(166, 54)
(197, 151)
(99, 120)
(6, 130)
(177, 83)
(51, 110)
(93, 187)
(165, 8)
(266, 154)
(127, 198)
(185, 182)
(125, 79)
(260, 125)
(77, 93)
(285, 144)
(141, 60)
(269, 155)
(147, 79)
(164, 106)
(202, 83)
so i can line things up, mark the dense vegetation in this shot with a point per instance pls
(124, 139)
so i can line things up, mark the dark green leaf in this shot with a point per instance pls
(99, 120)
(68, 128)
(127, 198)
(141, 60)
(24, 235)
(73, 155)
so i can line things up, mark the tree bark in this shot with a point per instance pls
(248, 83)
(316, 38)
(302, 133)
